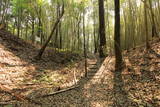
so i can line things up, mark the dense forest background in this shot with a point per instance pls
(33, 21)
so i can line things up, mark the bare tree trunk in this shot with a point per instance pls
(94, 32)
(146, 24)
(26, 33)
(18, 23)
(60, 34)
(14, 26)
(85, 51)
(117, 45)
(57, 29)
(33, 36)
(101, 28)
(79, 31)
(60, 37)
(154, 30)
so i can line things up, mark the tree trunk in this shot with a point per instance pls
(101, 28)
(33, 36)
(60, 34)
(18, 24)
(146, 24)
(49, 38)
(118, 54)
(26, 35)
(154, 30)
(78, 32)
(94, 33)
(84, 38)
(57, 29)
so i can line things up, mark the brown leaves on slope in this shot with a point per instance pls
(20, 73)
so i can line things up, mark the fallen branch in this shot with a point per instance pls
(41, 51)
(58, 92)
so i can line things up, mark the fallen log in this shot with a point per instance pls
(58, 92)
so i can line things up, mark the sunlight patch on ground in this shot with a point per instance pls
(12, 68)
(106, 69)
(9, 58)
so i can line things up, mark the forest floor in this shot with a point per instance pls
(137, 85)
(21, 74)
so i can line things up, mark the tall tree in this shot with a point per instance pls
(146, 24)
(117, 45)
(51, 34)
(101, 28)
(154, 29)
(84, 38)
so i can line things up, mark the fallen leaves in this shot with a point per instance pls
(137, 86)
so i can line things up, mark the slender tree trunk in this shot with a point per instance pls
(33, 36)
(94, 32)
(79, 32)
(18, 24)
(146, 24)
(85, 50)
(40, 30)
(117, 45)
(60, 34)
(101, 28)
(125, 24)
(26, 30)
(49, 38)
(154, 30)
(14, 27)
(109, 34)
(57, 29)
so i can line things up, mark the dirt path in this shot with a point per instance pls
(93, 91)
(97, 90)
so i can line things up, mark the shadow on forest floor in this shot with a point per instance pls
(130, 87)
(74, 97)
(18, 68)
(121, 96)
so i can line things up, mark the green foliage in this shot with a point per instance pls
(24, 12)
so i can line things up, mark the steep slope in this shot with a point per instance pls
(20, 73)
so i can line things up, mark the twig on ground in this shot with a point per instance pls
(58, 92)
